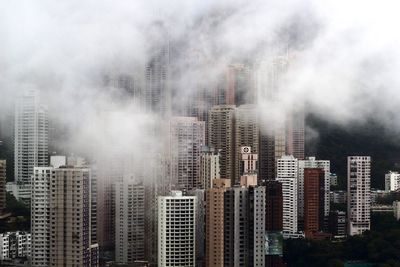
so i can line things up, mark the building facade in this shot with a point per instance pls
(129, 222)
(3, 166)
(358, 194)
(40, 216)
(312, 162)
(177, 230)
(15, 245)
(31, 138)
(246, 135)
(209, 167)
(314, 200)
(215, 222)
(392, 181)
(222, 137)
(287, 175)
(61, 217)
(187, 139)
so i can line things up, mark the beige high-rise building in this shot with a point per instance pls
(246, 134)
(2, 185)
(209, 167)
(70, 218)
(215, 222)
(222, 137)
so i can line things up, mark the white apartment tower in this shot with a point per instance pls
(187, 138)
(40, 216)
(359, 194)
(287, 174)
(312, 162)
(176, 230)
(31, 136)
(392, 181)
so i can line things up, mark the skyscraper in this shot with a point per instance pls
(200, 225)
(70, 218)
(209, 167)
(62, 217)
(246, 134)
(215, 222)
(287, 174)
(314, 180)
(222, 137)
(187, 138)
(130, 222)
(244, 226)
(240, 87)
(270, 83)
(177, 230)
(312, 162)
(273, 224)
(236, 227)
(2, 185)
(295, 136)
(40, 216)
(358, 194)
(31, 138)
(256, 232)
(158, 94)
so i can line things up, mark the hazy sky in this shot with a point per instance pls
(346, 54)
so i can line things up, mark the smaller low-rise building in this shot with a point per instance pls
(15, 245)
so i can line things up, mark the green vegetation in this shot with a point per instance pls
(380, 246)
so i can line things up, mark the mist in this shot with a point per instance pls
(344, 60)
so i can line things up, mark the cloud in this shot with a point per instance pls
(344, 57)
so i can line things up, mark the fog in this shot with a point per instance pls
(344, 60)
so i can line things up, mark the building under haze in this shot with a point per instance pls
(157, 93)
(130, 222)
(358, 194)
(295, 134)
(246, 135)
(221, 136)
(240, 88)
(31, 139)
(3, 166)
(187, 138)
(176, 230)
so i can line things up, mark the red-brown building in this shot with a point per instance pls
(313, 201)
